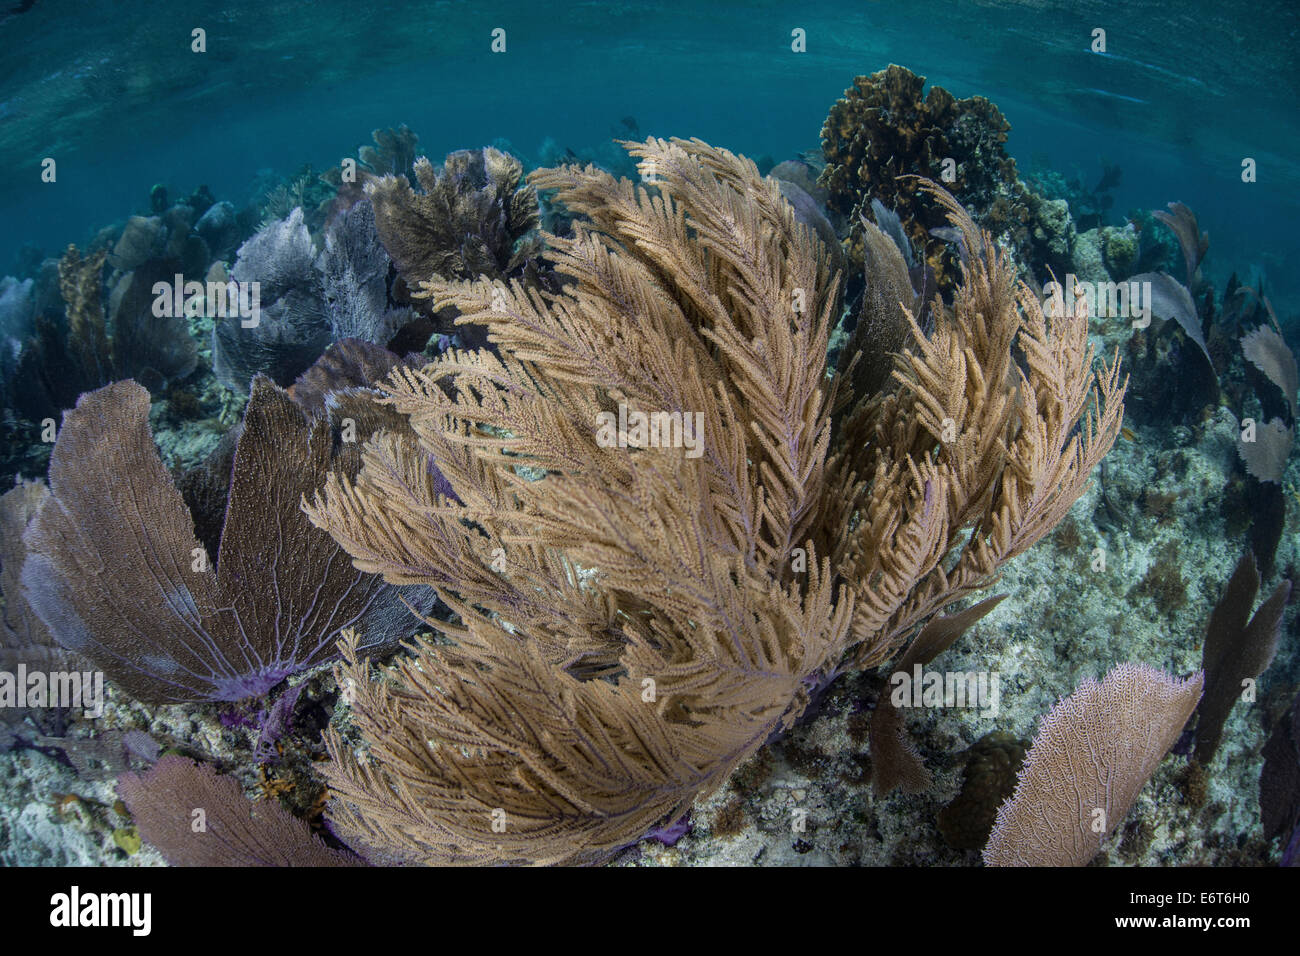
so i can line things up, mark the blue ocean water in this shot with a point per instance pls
(113, 92)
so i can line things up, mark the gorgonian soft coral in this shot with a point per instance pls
(115, 571)
(635, 618)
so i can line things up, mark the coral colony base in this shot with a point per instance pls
(866, 507)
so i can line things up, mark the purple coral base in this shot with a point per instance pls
(670, 834)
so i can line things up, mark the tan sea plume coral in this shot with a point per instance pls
(634, 620)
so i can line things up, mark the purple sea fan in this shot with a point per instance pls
(195, 816)
(115, 571)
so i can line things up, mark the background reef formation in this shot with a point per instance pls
(884, 128)
(322, 262)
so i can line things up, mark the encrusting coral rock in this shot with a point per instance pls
(635, 617)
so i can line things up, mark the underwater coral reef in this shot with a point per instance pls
(653, 506)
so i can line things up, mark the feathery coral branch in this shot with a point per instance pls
(637, 614)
